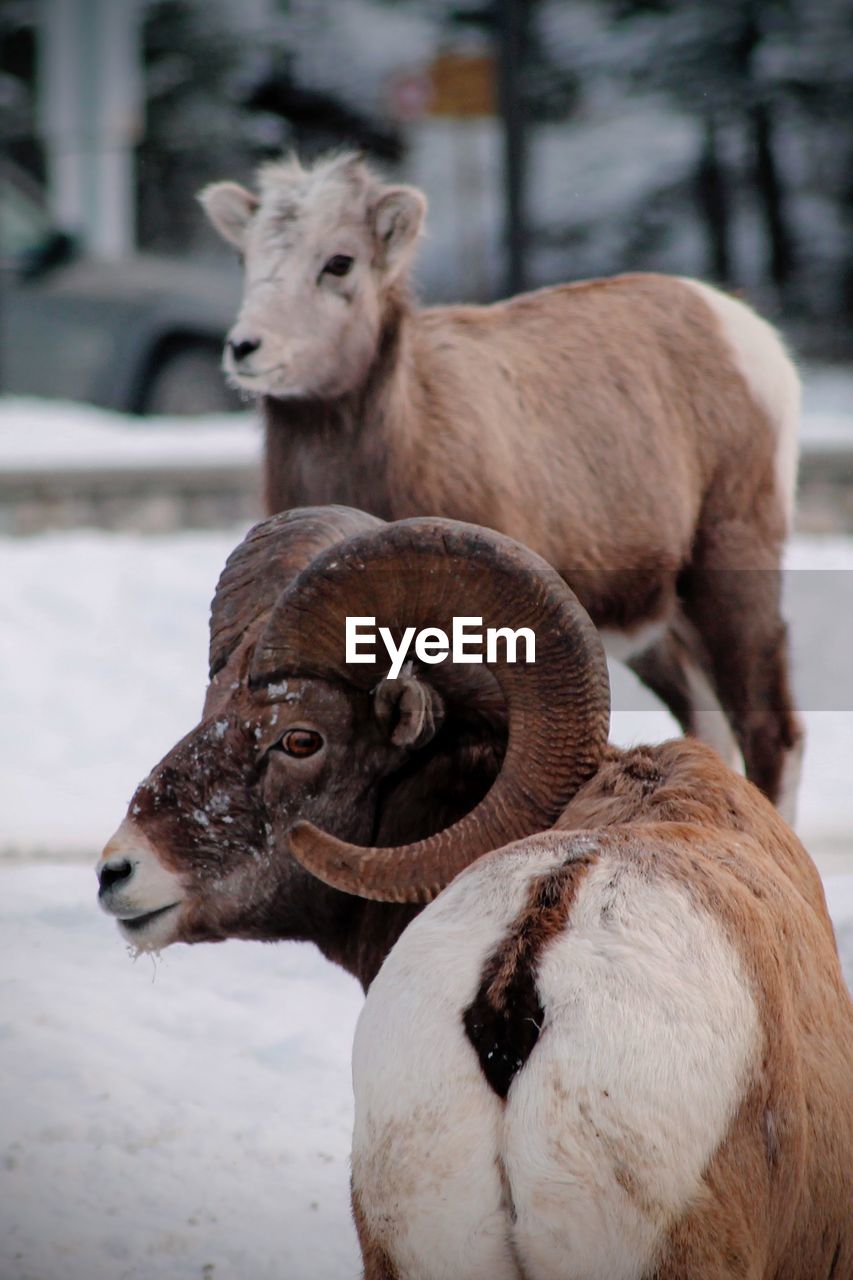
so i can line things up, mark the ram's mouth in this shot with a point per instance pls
(133, 923)
(151, 930)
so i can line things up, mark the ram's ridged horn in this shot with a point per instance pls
(422, 573)
(266, 561)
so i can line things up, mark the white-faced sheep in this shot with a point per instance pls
(619, 1049)
(640, 433)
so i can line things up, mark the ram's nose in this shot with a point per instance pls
(113, 872)
(134, 885)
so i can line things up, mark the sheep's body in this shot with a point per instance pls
(683, 1104)
(639, 433)
(596, 419)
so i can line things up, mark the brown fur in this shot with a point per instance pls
(777, 1195)
(399, 761)
(218, 813)
(219, 807)
(779, 1202)
(636, 432)
(504, 1020)
(603, 424)
(377, 1264)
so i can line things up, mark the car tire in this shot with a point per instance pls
(188, 380)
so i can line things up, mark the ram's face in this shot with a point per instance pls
(203, 852)
(320, 248)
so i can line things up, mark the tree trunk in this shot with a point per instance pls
(714, 206)
(512, 22)
(782, 259)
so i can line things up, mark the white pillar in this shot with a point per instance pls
(90, 97)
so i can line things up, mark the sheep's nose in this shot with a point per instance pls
(242, 347)
(112, 872)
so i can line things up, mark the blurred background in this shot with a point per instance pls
(556, 139)
(199, 1129)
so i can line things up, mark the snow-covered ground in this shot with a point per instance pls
(184, 1121)
(827, 406)
(55, 435)
(190, 1119)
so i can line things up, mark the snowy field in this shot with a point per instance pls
(190, 1119)
(40, 435)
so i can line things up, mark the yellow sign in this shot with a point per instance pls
(463, 85)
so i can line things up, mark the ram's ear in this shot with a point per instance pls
(229, 207)
(398, 216)
(409, 711)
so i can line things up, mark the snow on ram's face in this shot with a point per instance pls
(203, 853)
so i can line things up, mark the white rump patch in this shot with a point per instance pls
(650, 1032)
(427, 1126)
(769, 372)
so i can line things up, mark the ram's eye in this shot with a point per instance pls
(301, 743)
(339, 264)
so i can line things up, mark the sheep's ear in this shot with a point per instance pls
(409, 711)
(229, 207)
(397, 219)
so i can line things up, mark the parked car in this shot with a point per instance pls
(142, 335)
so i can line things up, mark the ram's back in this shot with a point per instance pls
(610, 1054)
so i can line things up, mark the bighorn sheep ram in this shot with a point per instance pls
(618, 1049)
(640, 433)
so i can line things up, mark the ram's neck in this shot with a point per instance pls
(337, 451)
(374, 928)
(439, 787)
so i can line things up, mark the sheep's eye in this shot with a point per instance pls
(301, 743)
(339, 264)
